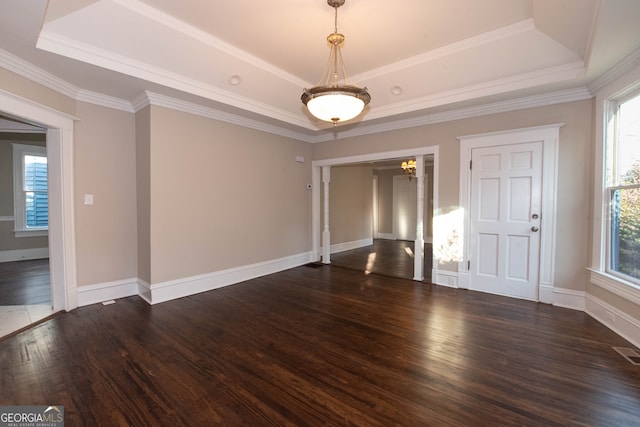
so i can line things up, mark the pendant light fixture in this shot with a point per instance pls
(409, 168)
(330, 100)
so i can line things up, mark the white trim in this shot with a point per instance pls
(348, 246)
(24, 254)
(101, 292)
(627, 290)
(19, 201)
(568, 298)
(386, 236)
(6, 218)
(31, 233)
(444, 278)
(173, 289)
(374, 206)
(31, 72)
(613, 318)
(549, 135)
(433, 150)
(62, 249)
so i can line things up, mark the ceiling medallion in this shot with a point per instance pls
(329, 100)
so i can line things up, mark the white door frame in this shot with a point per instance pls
(318, 188)
(549, 135)
(62, 249)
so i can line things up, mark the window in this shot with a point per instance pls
(623, 189)
(30, 192)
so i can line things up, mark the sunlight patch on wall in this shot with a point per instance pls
(448, 232)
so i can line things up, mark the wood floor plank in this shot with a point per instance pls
(324, 346)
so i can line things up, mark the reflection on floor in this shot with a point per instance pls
(388, 257)
(16, 317)
(25, 294)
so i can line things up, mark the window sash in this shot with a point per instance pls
(31, 213)
(623, 236)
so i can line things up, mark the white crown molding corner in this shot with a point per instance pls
(105, 101)
(621, 68)
(151, 98)
(71, 48)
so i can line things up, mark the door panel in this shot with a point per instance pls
(504, 238)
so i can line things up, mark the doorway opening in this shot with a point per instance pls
(378, 234)
(25, 285)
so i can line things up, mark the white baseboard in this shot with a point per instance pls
(567, 298)
(101, 292)
(616, 320)
(347, 246)
(24, 254)
(166, 291)
(444, 278)
(385, 236)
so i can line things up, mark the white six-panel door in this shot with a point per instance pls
(505, 214)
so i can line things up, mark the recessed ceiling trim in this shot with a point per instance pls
(72, 48)
(523, 81)
(453, 48)
(174, 24)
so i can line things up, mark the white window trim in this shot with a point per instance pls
(606, 98)
(20, 227)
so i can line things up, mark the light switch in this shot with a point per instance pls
(88, 199)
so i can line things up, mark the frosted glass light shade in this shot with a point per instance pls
(335, 103)
(335, 107)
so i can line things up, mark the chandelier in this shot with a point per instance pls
(409, 168)
(329, 100)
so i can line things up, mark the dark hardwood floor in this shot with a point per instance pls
(25, 282)
(388, 257)
(324, 346)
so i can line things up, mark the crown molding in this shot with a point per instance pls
(105, 100)
(150, 98)
(546, 99)
(456, 47)
(72, 48)
(621, 68)
(149, 12)
(27, 70)
(38, 75)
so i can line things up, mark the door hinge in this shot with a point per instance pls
(470, 164)
(469, 265)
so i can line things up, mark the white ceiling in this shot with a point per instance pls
(416, 57)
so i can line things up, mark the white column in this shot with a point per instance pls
(418, 267)
(326, 235)
(315, 213)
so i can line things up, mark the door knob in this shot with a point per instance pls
(534, 228)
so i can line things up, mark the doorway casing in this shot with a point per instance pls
(318, 189)
(549, 135)
(62, 249)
